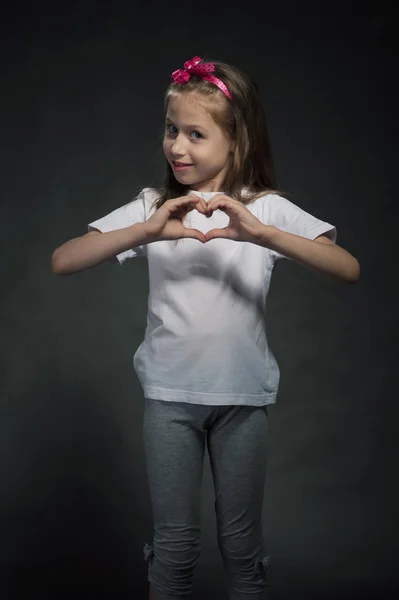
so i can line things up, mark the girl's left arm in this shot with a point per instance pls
(321, 255)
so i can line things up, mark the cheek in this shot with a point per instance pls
(166, 146)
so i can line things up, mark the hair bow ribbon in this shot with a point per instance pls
(192, 67)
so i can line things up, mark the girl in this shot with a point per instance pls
(206, 370)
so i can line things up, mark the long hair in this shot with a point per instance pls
(243, 120)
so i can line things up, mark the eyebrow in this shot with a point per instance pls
(190, 126)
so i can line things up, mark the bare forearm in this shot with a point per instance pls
(329, 261)
(88, 251)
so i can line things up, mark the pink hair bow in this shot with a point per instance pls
(193, 67)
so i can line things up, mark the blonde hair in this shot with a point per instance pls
(243, 120)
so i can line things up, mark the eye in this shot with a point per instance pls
(172, 132)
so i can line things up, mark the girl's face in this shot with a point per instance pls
(192, 137)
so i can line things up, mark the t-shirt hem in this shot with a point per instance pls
(169, 395)
(321, 229)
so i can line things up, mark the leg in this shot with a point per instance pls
(237, 443)
(174, 449)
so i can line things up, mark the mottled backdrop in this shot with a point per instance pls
(80, 124)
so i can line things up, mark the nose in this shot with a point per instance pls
(177, 149)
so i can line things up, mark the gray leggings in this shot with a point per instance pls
(174, 435)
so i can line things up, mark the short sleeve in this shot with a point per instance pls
(283, 214)
(124, 216)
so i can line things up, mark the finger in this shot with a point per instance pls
(213, 204)
(200, 201)
(188, 203)
(194, 234)
(201, 205)
(185, 203)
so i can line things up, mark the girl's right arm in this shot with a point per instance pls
(95, 247)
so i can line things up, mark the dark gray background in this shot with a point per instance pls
(81, 117)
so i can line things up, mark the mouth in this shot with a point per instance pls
(178, 165)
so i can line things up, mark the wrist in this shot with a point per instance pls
(268, 235)
(140, 233)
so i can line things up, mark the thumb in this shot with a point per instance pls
(215, 233)
(195, 234)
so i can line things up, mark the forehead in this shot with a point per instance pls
(188, 108)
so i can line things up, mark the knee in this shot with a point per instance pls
(171, 568)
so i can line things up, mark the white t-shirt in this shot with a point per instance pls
(205, 340)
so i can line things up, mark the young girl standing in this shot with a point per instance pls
(206, 370)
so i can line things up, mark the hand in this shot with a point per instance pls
(166, 222)
(243, 225)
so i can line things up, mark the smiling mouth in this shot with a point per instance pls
(177, 164)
